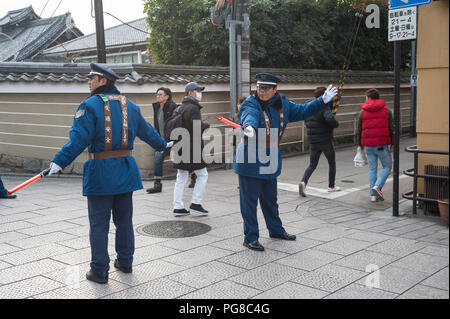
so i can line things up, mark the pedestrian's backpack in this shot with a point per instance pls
(175, 121)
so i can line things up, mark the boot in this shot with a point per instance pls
(157, 188)
(193, 179)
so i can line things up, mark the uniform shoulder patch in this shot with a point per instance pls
(79, 114)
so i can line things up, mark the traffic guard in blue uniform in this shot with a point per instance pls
(264, 117)
(107, 124)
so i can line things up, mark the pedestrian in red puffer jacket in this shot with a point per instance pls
(375, 136)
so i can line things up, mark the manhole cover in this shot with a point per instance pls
(347, 181)
(174, 229)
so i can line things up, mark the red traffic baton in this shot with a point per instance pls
(28, 182)
(228, 122)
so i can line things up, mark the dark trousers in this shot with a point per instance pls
(250, 190)
(3, 191)
(316, 149)
(100, 208)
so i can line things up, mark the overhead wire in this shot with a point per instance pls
(349, 51)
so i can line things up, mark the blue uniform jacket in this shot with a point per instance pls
(251, 114)
(111, 176)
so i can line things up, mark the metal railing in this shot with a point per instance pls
(413, 172)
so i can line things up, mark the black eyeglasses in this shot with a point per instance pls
(265, 88)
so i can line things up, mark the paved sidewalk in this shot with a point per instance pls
(344, 249)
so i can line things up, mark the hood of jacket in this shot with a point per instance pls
(373, 105)
(191, 100)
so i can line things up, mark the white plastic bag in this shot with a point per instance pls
(360, 159)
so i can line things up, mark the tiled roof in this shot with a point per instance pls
(116, 36)
(16, 16)
(149, 73)
(33, 35)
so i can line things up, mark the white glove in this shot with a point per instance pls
(329, 94)
(54, 168)
(170, 144)
(249, 131)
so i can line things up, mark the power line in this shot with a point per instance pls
(127, 24)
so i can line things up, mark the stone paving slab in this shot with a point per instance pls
(291, 290)
(28, 288)
(267, 276)
(394, 279)
(329, 277)
(309, 260)
(438, 280)
(206, 274)
(362, 259)
(224, 289)
(357, 291)
(340, 248)
(160, 288)
(424, 292)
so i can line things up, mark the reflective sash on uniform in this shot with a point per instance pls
(109, 153)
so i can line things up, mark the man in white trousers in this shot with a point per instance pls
(192, 122)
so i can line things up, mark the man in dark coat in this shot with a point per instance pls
(162, 110)
(184, 163)
(320, 128)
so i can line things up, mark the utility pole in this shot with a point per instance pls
(238, 76)
(397, 61)
(413, 108)
(243, 37)
(100, 31)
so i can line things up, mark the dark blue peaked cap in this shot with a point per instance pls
(267, 79)
(103, 70)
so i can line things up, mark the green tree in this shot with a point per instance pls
(181, 33)
(284, 34)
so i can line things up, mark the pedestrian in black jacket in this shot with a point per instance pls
(192, 122)
(320, 135)
(162, 110)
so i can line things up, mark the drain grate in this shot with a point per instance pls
(347, 181)
(174, 229)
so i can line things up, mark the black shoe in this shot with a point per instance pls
(157, 188)
(9, 196)
(100, 279)
(181, 212)
(254, 245)
(285, 236)
(126, 270)
(198, 209)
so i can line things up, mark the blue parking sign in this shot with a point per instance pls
(397, 4)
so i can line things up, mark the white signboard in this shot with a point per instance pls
(402, 24)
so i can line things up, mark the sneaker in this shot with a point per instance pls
(378, 192)
(180, 212)
(301, 189)
(334, 189)
(373, 199)
(198, 209)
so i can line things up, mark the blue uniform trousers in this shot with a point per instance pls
(252, 189)
(100, 208)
